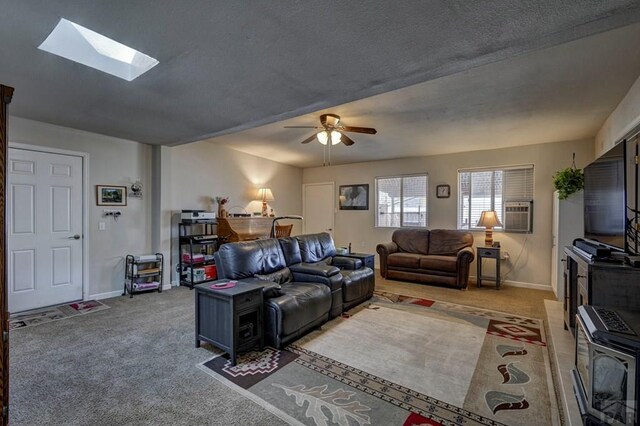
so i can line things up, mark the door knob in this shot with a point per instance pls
(329, 229)
(74, 237)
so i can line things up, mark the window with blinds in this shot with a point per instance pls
(401, 201)
(490, 189)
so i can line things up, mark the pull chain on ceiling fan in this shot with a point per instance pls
(332, 133)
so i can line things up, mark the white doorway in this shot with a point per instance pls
(45, 228)
(318, 207)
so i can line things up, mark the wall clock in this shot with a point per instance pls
(443, 191)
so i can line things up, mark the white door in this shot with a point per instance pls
(318, 207)
(44, 213)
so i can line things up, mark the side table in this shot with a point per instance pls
(489, 253)
(367, 259)
(231, 319)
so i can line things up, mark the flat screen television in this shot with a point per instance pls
(604, 199)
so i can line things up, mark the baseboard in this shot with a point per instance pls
(534, 286)
(166, 287)
(107, 295)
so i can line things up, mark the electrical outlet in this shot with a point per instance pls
(102, 226)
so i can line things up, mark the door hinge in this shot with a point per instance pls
(5, 412)
(5, 336)
(636, 158)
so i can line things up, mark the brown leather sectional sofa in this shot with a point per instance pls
(438, 256)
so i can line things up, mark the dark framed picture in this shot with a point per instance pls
(111, 195)
(443, 191)
(354, 197)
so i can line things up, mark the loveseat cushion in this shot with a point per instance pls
(316, 247)
(448, 242)
(412, 240)
(404, 260)
(439, 263)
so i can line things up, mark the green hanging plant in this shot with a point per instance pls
(569, 180)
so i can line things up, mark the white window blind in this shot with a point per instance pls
(401, 201)
(488, 189)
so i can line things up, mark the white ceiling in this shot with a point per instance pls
(227, 66)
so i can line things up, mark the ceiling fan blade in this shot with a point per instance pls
(368, 130)
(301, 127)
(346, 140)
(309, 139)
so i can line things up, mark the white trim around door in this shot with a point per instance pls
(85, 203)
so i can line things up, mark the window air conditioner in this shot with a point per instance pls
(518, 216)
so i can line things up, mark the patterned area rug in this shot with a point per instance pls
(403, 361)
(41, 316)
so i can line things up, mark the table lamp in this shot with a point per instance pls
(265, 195)
(489, 219)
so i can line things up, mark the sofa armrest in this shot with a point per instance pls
(319, 269)
(385, 250)
(463, 265)
(349, 263)
(466, 255)
(269, 288)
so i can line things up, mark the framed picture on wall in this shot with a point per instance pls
(111, 195)
(354, 197)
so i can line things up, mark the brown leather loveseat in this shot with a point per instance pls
(438, 256)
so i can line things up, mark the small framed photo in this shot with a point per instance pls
(111, 195)
(354, 197)
(443, 191)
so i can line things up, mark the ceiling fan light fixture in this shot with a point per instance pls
(335, 137)
(323, 137)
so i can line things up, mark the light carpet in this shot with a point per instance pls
(404, 360)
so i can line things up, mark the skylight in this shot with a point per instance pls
(87, 47)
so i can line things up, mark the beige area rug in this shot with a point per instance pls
(54, 313)
(403, 360)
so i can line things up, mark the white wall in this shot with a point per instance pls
(111, 161)
(202, 170)
(622, 120)
(534, 265)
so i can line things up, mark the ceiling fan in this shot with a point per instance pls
(333, 131)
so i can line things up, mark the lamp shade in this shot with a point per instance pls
(335, 137)
(265, 194)
(489, 219)
(323, 137)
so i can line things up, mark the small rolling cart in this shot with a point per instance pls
(143, 273)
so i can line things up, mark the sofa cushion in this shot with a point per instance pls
(290, 249)
(405, 260)
(300, 304)
(248, 258)
(449, 242)
(439, 263)
(316, 247)
(412, 240)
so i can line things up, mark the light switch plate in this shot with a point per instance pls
(102, 226)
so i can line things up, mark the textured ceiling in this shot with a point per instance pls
(227, 66)
(564, 92)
